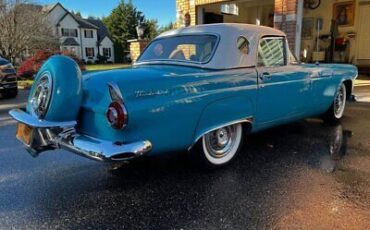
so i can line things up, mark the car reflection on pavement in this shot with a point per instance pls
(305, 175)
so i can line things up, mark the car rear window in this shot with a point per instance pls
(186, 48)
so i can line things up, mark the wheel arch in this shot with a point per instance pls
(224, 112)
(349, 88)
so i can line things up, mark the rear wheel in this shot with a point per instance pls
(219, 147)
(336, 110)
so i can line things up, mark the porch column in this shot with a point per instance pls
(288, 18)
(137, 46)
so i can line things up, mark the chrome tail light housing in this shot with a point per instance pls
(117, 115)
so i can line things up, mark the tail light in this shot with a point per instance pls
(117, 115)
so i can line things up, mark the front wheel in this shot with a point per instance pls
(336, 110)
(219, 147)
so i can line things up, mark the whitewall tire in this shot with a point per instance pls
(336, 110)
(219, 147)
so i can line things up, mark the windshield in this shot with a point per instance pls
(187, 48)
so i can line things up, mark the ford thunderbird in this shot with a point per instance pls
(199, 88)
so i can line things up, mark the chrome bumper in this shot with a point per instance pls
(48, 135)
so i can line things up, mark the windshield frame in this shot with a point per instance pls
(175, 61)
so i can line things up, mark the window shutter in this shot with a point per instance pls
(86, 52)
(110, 52)
(93, 52)
(76, 33)
(85, 34)
(62, 32)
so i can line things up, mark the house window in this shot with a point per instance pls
(69, 32)
(107, 52)
(90, 52)
(89, 34)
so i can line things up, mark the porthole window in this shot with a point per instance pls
(243, 45)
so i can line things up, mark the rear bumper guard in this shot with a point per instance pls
(47, 135)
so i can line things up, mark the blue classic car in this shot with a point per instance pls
(199, 88)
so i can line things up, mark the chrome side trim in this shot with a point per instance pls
(48, 135)
(245, 120)
(115, 92)
(23, 117)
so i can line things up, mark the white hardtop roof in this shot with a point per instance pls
(227, 54)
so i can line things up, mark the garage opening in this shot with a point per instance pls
(259, 12)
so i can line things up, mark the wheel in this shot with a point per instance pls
(57, 86)
(10, 93)
(219, 147)
(336, 110)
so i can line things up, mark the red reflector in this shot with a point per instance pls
(117, 115)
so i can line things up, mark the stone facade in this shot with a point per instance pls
(136, 48)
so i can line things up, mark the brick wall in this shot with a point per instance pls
(285, 19)
(136, 48)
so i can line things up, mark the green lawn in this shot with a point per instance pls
(106, 67)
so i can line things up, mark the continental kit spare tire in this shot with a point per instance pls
(56, 94)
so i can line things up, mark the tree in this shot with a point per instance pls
(169, 26)
(31, 65)
(77, 14)
(151, 30)
(24, 27)
(122, 22)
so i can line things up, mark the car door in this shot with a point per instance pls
(283, 88)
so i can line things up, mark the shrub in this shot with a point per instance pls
(31, 66)
(102, 59)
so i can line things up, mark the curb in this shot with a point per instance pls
(24, 88)
(6, 109)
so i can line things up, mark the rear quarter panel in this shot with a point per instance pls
(173, 109)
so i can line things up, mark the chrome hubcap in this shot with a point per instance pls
(221, 141)
(339, 102)
(41, 96)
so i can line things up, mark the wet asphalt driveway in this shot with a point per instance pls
(304, 175)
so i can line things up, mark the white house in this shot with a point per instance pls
(86, 38)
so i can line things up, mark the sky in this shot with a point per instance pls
(162, 10)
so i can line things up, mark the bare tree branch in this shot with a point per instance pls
(24, 27)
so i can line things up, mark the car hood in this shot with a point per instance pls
(136, 83)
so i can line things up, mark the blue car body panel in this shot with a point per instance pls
(172, 106)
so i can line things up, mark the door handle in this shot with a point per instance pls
(265, 76)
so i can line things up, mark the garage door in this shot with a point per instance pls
(364, 33)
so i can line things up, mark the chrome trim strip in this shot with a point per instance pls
(245, 120)
(62, 135)
(115, 92)
(23, 117)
